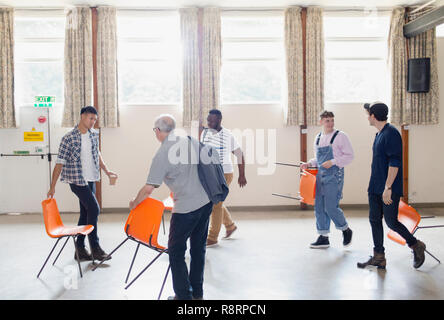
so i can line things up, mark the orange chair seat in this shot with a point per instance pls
(70, 231)
(409, 217)
(307, 187)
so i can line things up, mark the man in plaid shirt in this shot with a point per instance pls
(79, 162)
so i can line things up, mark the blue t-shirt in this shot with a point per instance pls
(387, 152)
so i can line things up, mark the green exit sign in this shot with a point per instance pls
(44, 101)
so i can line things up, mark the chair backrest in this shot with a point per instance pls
(51, 217)
(409, 217)
(144, 221)
(307, 187)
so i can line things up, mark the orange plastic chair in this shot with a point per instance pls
(56, 229)
(142, 226)
(307, 186)
(409, 217)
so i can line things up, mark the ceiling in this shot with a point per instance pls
(218, 3)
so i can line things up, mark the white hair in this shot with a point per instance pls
(165, 123)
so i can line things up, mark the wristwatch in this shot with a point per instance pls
(388, 188)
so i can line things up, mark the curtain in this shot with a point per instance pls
(424, 107)
(211, 59)
(294, 66)
(190, 54)
(78, 64)
(107, 68)
(398, 66)
(411, 108)
(201, 70)
(7, 108)
(314, 60)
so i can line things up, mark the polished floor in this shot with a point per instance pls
(267, 258)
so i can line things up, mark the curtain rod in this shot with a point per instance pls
(326, 9)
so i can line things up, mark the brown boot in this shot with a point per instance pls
(418, 253)
(377, 260)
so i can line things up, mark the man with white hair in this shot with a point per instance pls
(192, 208)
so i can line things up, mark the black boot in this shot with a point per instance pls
(84, 255)
(98, 254)
(418, 253)
(378, 260)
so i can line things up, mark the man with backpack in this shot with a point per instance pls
(175, 163)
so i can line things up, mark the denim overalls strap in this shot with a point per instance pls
(324, 154)
(329, 184)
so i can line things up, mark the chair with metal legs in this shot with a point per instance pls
(55, 229)
(307, 187)
(409, 217)
(142, 226)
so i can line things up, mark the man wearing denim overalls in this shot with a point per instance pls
(333, 151)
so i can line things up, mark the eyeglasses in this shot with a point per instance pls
(154, 129)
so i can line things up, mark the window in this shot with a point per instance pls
(38, 56)
(440, 31)
(356, 52)
(252, 58)
(149, 58)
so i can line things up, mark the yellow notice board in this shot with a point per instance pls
(33, 136)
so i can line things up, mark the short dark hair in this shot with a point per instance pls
(326, 114)
(216, 112)
(378, 109)
(88, 109)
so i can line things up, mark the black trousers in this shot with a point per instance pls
(184, 226)
(89, 212)
(379, 209)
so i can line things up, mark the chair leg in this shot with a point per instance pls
(433, 256)
(163, 283)
(163, 222)
(77, 255)
(141, 272)
(109, 254)
(58, 239)
(67, 238)
(132, 262)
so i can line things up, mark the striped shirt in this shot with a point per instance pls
(224, 142)
(69, 156)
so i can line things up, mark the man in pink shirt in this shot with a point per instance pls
(333, 151)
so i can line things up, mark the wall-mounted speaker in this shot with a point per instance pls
(418, 79)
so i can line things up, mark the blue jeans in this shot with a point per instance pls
(89, 212)
(328, 194)
(192, 225)
(378, 209)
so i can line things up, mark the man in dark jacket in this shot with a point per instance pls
(385, 187)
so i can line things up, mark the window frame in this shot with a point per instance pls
(347, 14)
(128, 13)
(35, 15)
(280, 39)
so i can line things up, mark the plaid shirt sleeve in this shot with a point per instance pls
(64, 151)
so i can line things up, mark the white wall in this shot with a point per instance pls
(128, 150)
